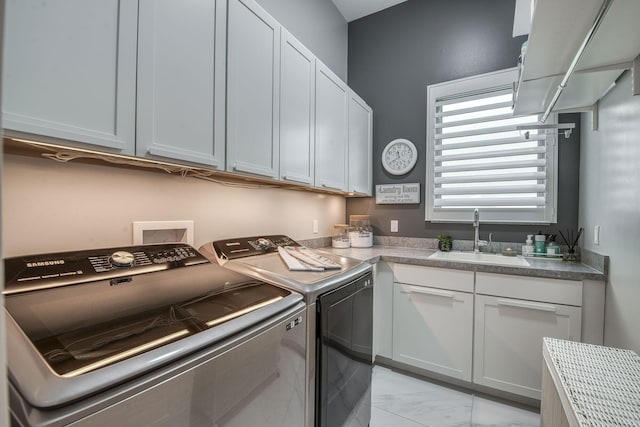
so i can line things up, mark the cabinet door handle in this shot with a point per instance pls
(296, 179)
(427, 291)
(526, 304)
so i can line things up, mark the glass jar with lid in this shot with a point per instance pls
(360, 231)
(340, 237)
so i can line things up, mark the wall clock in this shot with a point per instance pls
(399, 156)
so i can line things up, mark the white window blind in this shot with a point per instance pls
(477, 159)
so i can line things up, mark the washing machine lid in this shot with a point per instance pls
(78, 324)
(258, 257)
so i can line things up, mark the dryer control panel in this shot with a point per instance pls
(250, 246)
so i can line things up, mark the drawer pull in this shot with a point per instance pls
(434, 292)
(526, 304)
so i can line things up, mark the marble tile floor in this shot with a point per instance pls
(400, 400)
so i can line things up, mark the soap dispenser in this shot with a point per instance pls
(527, 248)
(540, 244)
(552, 248)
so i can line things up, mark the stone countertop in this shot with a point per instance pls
(549, 268)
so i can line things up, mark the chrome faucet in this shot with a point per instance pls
(476, 233)
(477, 243)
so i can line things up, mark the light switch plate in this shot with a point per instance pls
(394, 225)
(315, 226)
(596, 235)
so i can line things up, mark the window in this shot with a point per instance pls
(477, 159)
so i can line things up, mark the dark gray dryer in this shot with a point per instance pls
(339, 322)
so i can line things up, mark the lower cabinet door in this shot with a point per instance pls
(508, 341)
(432, 329)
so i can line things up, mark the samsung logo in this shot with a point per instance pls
(45, 263)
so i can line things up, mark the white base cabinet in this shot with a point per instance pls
(382, 310)
(513, 314)
(484, 328)
(508, 341)
(433, 319)
(432, 329)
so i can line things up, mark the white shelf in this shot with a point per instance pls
(557, 31)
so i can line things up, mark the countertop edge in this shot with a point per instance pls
(550, 269)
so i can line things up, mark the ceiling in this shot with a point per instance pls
(355, 9)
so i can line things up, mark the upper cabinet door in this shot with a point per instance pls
(70, 71)
(181, 81)
(253, 58)
(360, 145)
(297, 110)
(332, 96)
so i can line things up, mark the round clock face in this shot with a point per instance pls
(399, 156)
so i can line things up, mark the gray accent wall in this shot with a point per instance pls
(610, 198)
(394, 55)
(318, 25)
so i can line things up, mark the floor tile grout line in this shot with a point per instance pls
(473, 402)
(400, 416)
(476, 403)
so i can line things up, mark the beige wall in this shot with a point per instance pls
(610, 198)
(50, 206)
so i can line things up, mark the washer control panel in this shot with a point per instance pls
(63, 268)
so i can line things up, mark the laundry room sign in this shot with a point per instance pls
(397, 194)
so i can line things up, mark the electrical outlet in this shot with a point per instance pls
(315, 226)
(394, 225)
(596, 235)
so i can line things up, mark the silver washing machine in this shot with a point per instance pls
(150, 335)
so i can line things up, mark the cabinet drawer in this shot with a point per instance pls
(456, 280)
(557, 291)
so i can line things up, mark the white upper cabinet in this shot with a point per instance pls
(181, 74)
(253, 58)
(557, 31)
(360, 145)
(217, 84)
(297, 110)
(70, 71)
(332, 129)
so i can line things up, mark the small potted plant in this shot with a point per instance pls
(445, 242)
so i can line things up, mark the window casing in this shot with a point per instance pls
(477, 159)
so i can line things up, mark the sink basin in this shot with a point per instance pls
(480, 258)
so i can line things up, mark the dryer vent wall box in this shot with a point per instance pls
(148, 232)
